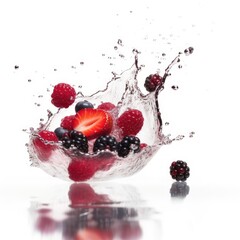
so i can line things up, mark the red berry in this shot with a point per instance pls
(46, 224)
(81, 169)
(83, 193)
(131, 122)
(152, 81)
(63, 95)
(67, 122)
(43, 144)
(93, 122)
(143, 145)
(107, 106)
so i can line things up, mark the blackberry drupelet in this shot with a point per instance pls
(179, 170)
(105, 142)
(128, 143)
(76, 139)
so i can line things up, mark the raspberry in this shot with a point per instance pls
(105, 142)
(43, 144)
(81, 169)
(67, 122)
(107, 106)
(63, 95)
(130, 122)
(152, 81)
(179, 170)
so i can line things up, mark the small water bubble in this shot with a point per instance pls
(29, 80)
(37, 104)
(16, 67)
(191, 134)
(73, 67)
(41, 119)
(159, 62)
(48, 90)
(179, 66)
(40, 96)
(163, 54)
(81, 63)
(79, 86)
(115, 48)
(179, 137)
(103, 54)
(119, 42)
(166, 123)
(188, 51)
(121, 56)
(24, 130)
(175, 87)
(54, 69)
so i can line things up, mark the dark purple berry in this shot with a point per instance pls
(128, 143)
(152, 82)
(60, 132)
(82, 105)
(105, 142)
(179, 170)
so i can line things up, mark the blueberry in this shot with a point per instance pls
(60, 132)
(83, 104)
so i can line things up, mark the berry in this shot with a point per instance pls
(67, 122)
(152, 82)
(179, 189)
(179, 170)
(130, 122)
(76, 139)
(128, 143)
(43, 144)
(93, 122)
(105, 142)
(60, 132)
(107, 106)
(143, 145)
(63, 95)
(82, 105)
(81, 170)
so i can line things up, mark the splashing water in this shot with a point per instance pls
(124, 92)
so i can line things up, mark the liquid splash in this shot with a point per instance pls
(123, 91)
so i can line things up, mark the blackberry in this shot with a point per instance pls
(152, 81)
(128, 143)
(105, 142)
(76, 139)
(179, 170)
(179, 190)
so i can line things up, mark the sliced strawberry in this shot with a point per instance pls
(93, 122)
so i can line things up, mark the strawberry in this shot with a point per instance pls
(130, 122)
(42, 144)
(93, 122)
(107, 106)
(67, 122)
(81, 169)
(63, 95)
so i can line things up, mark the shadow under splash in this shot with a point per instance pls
(101, 212)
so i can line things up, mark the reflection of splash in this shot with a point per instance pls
(179, 190)
(90, 215)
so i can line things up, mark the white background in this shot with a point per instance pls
(39, 36)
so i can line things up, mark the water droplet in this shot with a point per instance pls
(29, 80)
(73, 67)
(191, 134)
(188, 51)
(54, 69)
(16, 66)
(179, 66)
(166, 123)
(24, 130)
(119, 42)
(175, 87)
(121, 56)
(179, 137)
(103, 54)
(40, 96)
(115, 48)
(163, 54)
(81, 63)
(41, 119)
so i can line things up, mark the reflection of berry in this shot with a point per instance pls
(81, 170)
(105, 142)
(93, 234)
(46, 224)
(43, 144)
(127, 144)
(106, 106)
(179, 170)
(63, 95)
(152, 81)
(130, 230)
(179, 189)
(67, 122)
(130, 122)
(83, 104)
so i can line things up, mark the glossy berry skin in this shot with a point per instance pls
(179, 170)
(152, 81)
(106, 106)
(60, 132)
(63, 95)
(128, 143)
(83, 104)
(76, 139)
(105, 142)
